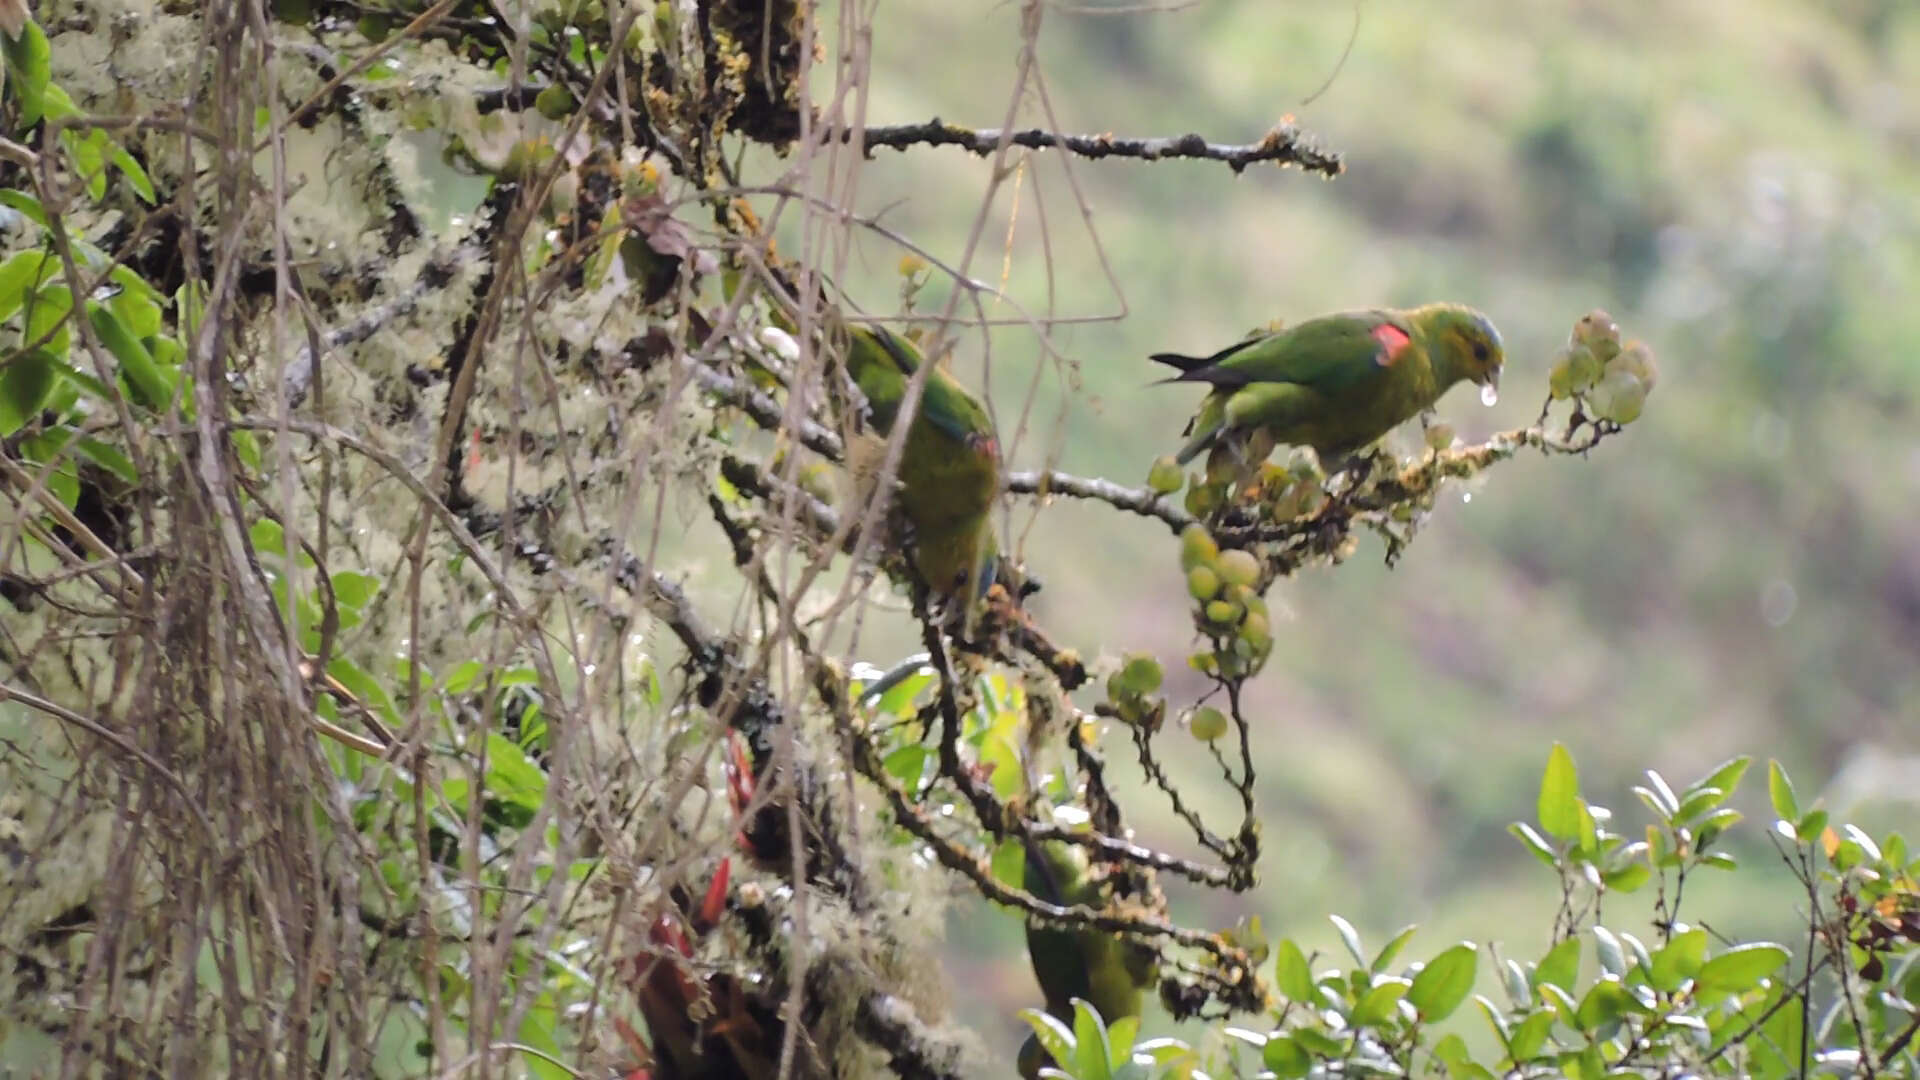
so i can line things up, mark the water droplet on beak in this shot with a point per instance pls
(1489, 395)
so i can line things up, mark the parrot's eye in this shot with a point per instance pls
(1480, 351)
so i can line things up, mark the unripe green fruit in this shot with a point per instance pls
(554, 103)
(1304, 464)
(1560, 376)
(1256, 632)
(1140, 673)
(1238, 567)
(1197, 547)
(1223, 612)
(1165, 476)
(1619, 397)
(1202, 499)
(1439, 435)
(1637, 360)
(1598, 332)
(1207, 723)
(1583, 368)
(1202, 583)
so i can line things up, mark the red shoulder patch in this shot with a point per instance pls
(1393, 341)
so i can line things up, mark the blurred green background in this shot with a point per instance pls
(1739, 572)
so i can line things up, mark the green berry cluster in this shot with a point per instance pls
(1133, 691)
(1228, 607)
(1284, 492)
(1612, 380)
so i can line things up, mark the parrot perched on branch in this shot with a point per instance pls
(949, 469)
(1107, 971)
(1338, 382)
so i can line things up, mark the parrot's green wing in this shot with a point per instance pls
(1288, 377)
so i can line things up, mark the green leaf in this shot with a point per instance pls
(1606, 1001)
(512, 776)
(1679, 960)
(1053, 1033)
(1613, 960)
(353, 589)
(145, 381)
(1351, 938)
(1560, 796)
(907, 764)
(1661, 796)
(135, 174)
(28, 206)
(21, 275)
(371, 693)
(1291, 973)
(1529, 1036)
(1090, 1061)
(1699, 802)
(26, 382)
(1726, 776)
(47, 312)
(1780, 790)
(1560, 967)
(1391, 950)
(1535, 843)
(1740, 968)
(1443, 985)
(1285, 1057)
(107, 457)
(28, 72)
(1628, 878)
(1376, 1006)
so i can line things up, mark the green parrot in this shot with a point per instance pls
(949, 469)
(1338, 382)
(1106, 971)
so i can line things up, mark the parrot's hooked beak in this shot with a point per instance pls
(1490, 379)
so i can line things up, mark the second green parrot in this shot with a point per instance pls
(1108, 972)
(949, 470)
(1337, 382)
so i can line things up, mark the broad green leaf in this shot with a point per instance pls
(1055, 1037)
(1666, 801)
(20, 276)
(1090, 1061)
(108, 458)
(146, 382)
(1780, 791)
(1529, 1036)
(47, 312)
(1740, 968)
(369, 690)
(1351, 938)
(512, 776)
(353, 589)
(1606, 1001)
(1291, 973)
(1559, 807)
(907, 764)
(1391, 950)
(28, 71)
(1560, 967)
(28, 206)
(1627, 878)
(1376, 1006)
(1726, 776)
(1443, 985)
(1699, 802)
(135, 174)
(1286, 1058)
(26, 382)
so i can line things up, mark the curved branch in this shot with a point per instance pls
(1134, 500)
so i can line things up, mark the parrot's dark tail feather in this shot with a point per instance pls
(1179, 362)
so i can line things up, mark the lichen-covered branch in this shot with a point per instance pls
(1284, 145)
